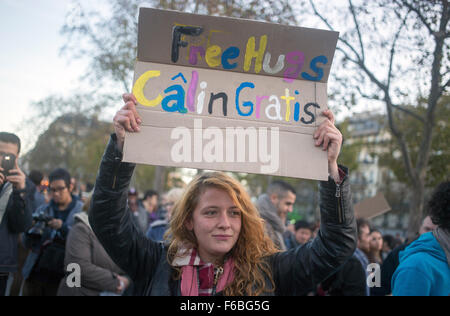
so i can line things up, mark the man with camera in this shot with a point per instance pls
(44, 266)
(16, 196)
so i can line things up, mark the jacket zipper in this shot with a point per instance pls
(114, 182)
(217, 273)
(116, 170)
(338, 195)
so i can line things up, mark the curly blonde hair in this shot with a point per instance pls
(252, 246)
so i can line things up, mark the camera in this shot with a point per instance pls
(38, 228)
(8, 163)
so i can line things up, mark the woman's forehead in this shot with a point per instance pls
(215, 197)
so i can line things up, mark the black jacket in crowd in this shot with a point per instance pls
(17, 219)
(294, 272)
(388, 268)
(349, 280)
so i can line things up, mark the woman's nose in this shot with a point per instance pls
(224, 221)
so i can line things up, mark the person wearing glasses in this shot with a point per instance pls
(44, 267)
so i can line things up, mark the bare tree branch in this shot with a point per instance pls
(197, 5)
(447, 84)
(429, 20)
(385, 88)
(397, 107)
(410, 113)
(366, 96)
(374, 79)
(347, 57)
(435, 91)
(400, 139)
(417, 11)
(394, 42)
(359, 61)
(332, 29)
(352, 10)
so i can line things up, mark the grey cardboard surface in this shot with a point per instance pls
(155, 41)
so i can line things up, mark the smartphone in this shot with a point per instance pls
(8, 163)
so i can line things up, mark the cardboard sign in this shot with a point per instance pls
(235, 45)
(224, 105)
(372, 207)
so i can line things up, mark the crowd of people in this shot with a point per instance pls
(127, 243)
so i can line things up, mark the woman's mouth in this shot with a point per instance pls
(222, 237)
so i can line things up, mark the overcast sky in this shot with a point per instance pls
(31, 66)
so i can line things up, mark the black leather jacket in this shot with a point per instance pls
(295, 272)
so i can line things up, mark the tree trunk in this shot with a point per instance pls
(160, 179)
(416, 209)
(316, 203)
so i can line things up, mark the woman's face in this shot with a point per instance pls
(376, 241)
(216, 222)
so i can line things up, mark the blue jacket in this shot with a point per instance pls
(423, 269)
(157, 230)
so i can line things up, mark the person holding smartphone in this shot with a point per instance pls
(16, 194)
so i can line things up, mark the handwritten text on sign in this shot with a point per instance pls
(223, 105)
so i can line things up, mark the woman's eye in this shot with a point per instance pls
(236, 213)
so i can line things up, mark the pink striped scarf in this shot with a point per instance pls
(197, 277)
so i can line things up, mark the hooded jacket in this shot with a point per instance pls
(423, 269)
(98, 271)
(294, 272)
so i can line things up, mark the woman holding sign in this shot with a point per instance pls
(216, 242)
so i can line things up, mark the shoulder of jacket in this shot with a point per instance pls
(78, 226)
